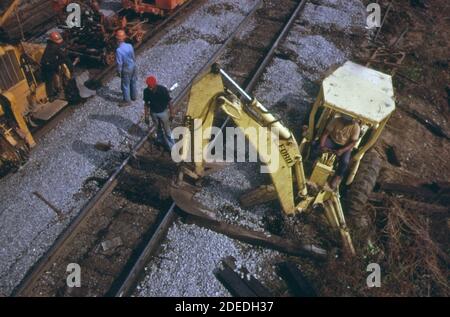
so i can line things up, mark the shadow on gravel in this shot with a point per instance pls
(110, 95)
(120, 122)
(89, 151)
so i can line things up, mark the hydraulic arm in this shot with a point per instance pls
(274, 143)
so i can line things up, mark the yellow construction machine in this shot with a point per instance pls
(7, 9)
(23, 98)
(298, 183)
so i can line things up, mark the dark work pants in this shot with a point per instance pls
(343, 160)
(51, 84)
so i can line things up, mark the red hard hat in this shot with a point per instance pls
(56, 37)
(151, 81)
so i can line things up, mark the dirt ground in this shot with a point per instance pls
(423, 154)
(412, 240)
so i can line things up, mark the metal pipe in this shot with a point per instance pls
(236, 86)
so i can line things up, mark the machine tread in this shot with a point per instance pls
(361, 188)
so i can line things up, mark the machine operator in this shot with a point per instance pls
(340, 137)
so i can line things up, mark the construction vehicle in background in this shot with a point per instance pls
(297, 182)
(24, 103)
(95, 39)
(154, 7)
(7, 8)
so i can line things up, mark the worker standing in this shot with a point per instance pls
(126, 68)
(53, 58)
(158, 105)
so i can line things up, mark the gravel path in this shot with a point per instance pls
(190, 254)
(66, 156)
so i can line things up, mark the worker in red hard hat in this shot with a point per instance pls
(53, 58)
(56, 37)
(158, 105)
(126, 68)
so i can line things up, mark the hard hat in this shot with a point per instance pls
(151, 81)
(121, 35)
(56, 37)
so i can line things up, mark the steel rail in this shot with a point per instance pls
(70, 232)
(268, 58)
(35, 272)
(109, 70)
(132, 279)
(147, 37)
(153, 244)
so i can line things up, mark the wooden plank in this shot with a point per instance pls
(256, 237)
(233, 282)
(204, 217)
(297, 282)
(252, 283)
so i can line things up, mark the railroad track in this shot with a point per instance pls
(121, 227)
(153, 31)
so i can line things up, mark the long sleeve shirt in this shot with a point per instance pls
(54, 56)
(125, 58)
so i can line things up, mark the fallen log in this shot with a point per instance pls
(381, 198)
(431, 192)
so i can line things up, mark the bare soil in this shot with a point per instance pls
(412, 243)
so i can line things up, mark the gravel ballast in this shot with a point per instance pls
(189, 255)
(66, 156)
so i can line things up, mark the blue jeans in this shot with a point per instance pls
(128, 84)
(343, 160)
(162, 120)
